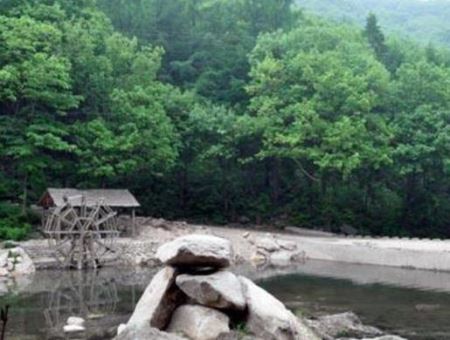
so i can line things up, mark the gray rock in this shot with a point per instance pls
(287, 245)
(281, 258)
(219, 290)
(143, 331)
(158, 301)
(331, 326)
(196, 251)
(198, 322)
(269, 319)
(268, 244)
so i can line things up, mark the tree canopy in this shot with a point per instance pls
(224, 111)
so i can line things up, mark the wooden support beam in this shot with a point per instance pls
(133, 222)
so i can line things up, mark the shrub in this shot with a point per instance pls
(13, 224)
(12, 229)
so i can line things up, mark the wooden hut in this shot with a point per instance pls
(117, 199)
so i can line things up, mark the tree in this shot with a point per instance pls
(375, 37)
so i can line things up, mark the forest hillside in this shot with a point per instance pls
(224, 111)
(422, 20)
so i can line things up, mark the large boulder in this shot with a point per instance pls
(143, 331)
(219, 290)
(198, 322)
(331, 326)
(158, 301)
(196, 251)
(269, 319)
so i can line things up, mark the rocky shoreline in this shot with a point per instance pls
(265, 246)
(262, 249)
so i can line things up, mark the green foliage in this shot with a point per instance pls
(425, 21)
(13, 224)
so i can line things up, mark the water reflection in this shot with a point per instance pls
(86, 294)
(104, 298)
(408, 302)
(367, 274)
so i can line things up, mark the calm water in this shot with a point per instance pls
(414, 304)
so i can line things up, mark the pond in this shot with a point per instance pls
(411, 303)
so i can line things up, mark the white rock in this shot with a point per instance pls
(269, 319)
(267, 244)
(121, 328)
(4, 272)
(75, 321)
(281, 258)
(287, 245)
(196, 251)
(198, 322)
(73, 328)
(158, 301)
(218, 290)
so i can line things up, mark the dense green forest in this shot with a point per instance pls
(223, 111)
(422, 20)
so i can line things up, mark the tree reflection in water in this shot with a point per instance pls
(86, 294)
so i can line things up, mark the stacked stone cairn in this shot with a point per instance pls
(195, 297)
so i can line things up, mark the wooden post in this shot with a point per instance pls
(133, 223)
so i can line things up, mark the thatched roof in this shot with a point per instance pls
(118, 198)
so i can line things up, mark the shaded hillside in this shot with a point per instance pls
(422, 20)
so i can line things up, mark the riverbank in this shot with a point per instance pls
(263, 247)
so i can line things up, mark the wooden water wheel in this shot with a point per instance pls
(82, 235)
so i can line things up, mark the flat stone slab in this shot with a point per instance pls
(219, 290)
(196, 251)
(158, 301)
(198, 322)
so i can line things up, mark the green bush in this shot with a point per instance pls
(13, 223)
(12, 229)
